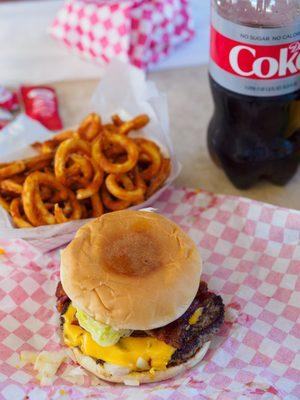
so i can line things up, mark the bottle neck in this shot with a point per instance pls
(259, 13)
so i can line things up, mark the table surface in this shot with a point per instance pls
(28, 55)
(190, 107)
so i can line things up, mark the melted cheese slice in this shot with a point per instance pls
(197, 314)
(125, 353)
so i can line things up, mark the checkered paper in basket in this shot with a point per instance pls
(251, 254)
(142, 31)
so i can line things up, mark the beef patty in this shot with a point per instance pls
(189, 332)
(188, 337)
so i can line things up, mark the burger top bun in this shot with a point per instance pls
(132, 270)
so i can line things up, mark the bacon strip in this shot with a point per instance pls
(180, 332)
(62, 299)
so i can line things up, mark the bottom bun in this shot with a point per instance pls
(135, 378)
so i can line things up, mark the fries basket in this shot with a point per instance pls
(120, 156)
(142, 31)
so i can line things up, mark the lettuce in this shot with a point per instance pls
(103, 334)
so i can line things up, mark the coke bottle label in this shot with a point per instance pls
(255, 61)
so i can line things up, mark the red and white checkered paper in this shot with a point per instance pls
(251, 255)
(142, 31)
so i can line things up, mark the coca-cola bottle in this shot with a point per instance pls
(255, 81)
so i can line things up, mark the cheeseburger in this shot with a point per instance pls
(133, 307)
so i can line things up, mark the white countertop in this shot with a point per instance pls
(29, 54)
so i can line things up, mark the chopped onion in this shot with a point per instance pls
(142, 364)
(70, 354)
(131, 382)
(74, 375)
(28, 357)
(116, 370)
(45, 363)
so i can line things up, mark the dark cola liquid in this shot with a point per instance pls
(254, 138)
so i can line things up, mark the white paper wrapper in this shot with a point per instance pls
(123, 90)
(251, 253)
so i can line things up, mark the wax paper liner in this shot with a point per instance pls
(251, 254)
(123, 90)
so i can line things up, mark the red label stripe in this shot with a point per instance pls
(255, 61)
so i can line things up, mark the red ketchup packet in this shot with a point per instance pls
(8, 99)
(40, 103)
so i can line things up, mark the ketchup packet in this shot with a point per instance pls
(40, 103)
(8, 99)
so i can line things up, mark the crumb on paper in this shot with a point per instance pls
(258, 388)
(232, 312)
